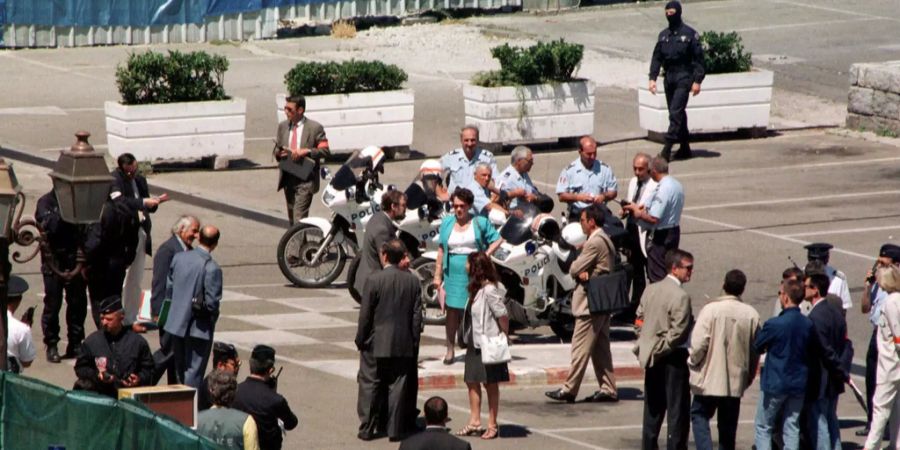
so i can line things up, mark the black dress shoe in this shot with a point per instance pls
(602, 397)
(864, 432)
(560, 395)
(666, 152)
(72, 352)
(53, 354)
(684, 152)
(366, 436)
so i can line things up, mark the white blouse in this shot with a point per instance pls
(462, 242)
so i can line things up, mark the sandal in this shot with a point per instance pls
(470, 430)
(491, 433)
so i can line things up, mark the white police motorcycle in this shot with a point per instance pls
(313, 252)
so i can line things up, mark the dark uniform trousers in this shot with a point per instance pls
(871, 366)
(76, 309)
(678, 90)
(667, 395)
(658, 244)
(639, 273)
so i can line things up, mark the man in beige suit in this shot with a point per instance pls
(664, 321)
(722, 362)
(299, 145)
(591, 338)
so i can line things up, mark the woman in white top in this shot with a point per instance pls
(489, 319)
(886, 402)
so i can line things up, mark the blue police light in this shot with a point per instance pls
(530, 248)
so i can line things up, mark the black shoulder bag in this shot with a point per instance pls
(608, 293)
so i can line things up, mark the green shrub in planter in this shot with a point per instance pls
(544, 62)
(724, 53)
(150, 78)
(317, 78)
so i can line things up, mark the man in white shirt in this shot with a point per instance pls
(640, 192)
(19, 344)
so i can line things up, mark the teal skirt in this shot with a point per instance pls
(456, 282)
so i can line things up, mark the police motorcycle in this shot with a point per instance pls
(420, 225)
(533, 263)
(313, 252)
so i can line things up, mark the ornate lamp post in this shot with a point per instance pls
(81, 183)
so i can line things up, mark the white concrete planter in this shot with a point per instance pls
(727, 102)
(177, 130)
(354, 121)
(533, 112)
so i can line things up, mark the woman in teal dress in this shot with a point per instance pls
(460, 234)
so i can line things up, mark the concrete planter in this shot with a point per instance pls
(191, 130)
(533, 112)
(727, 102)
(354, 121)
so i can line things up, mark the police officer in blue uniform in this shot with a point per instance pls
(514, 182)
(586, 180)
(679, 52)
(459, 165)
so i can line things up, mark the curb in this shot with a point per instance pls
(526, 377)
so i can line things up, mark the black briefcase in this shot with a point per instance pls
(608, 293)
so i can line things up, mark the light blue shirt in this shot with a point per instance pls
(511, 180)
(462, 169)
(576, 179)
(482, 198)
(667, 203)
(876, 296)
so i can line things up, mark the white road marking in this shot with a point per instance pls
(836, 10)
(793, 200)
(13, 55)
(808, 24)
(772, 235)
(33, 111)
(844, 231)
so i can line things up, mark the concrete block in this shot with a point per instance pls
(886, 104)
(860, 101)
(872, 123)
(854, 74)
(882, 76)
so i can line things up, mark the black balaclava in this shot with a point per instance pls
(674, 19)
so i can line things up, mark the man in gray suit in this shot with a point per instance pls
(390, 323)
(380, 229)
(664, 319)
(299, 145)
(195, 287)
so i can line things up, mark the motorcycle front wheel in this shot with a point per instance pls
(296, 253)
(563, 327)
(431, 307)
(351, 278)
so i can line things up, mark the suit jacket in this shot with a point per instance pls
(313, 138)
(826, 374)
(434, 439)
(193, 273)
(596, 259)
(390, 314)
(122, 185)
(666, 317)
(636, 226)
(379, 230)
(161, 264)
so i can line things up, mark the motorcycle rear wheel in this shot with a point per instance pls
(296, 249)
(563, 327)
(423, 268)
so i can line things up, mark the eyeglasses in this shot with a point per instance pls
(460, 205)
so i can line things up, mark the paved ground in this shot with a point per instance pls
(751, 203)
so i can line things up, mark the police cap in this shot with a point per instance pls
(111, 304)
(887, 251)
(263, 353)
(818, 250)
(223, 351)
(17, 286)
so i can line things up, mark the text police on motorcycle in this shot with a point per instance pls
(679, 52)
(586, 180)
(515, 183)
(459, 165)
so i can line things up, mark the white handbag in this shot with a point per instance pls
(495, 350)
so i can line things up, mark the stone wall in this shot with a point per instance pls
(874, 100)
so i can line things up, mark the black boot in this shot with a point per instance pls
(53, 354)
(666, 152)
(72, 351)
(684, 151)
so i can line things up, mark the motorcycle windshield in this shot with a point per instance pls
(351, 171)
(517, 229)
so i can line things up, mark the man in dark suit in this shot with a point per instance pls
(300, 143)
(257, 396)
(435, 436)
(130, 188)
(390, 323)
(826, 372)
(194, 286)
(380, 229)
(184, 232)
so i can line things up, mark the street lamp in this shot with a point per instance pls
(81, 183)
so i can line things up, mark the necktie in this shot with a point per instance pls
(294, 137)
(637, 192)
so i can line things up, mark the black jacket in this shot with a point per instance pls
(161, 264)
(390, 314)
(434, 439)
(125, 354)
(826, 372)
(266, 406)
(122, 185)
(379, 230)
(679, 52)
(62, 236)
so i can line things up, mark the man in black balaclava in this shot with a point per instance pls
(679, 53)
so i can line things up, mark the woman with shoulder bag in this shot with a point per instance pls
(490, 325)
(460, 235)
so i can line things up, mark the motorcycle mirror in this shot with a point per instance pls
(324, 173)
(344, 178)
(415, 196)
(530, 248)
(544, 203)
(391, 187)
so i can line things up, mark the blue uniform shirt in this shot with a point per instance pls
(876, 296)
(462, 169)
(511, 180)
(667, 203)
(576, 179)
(482, 197)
